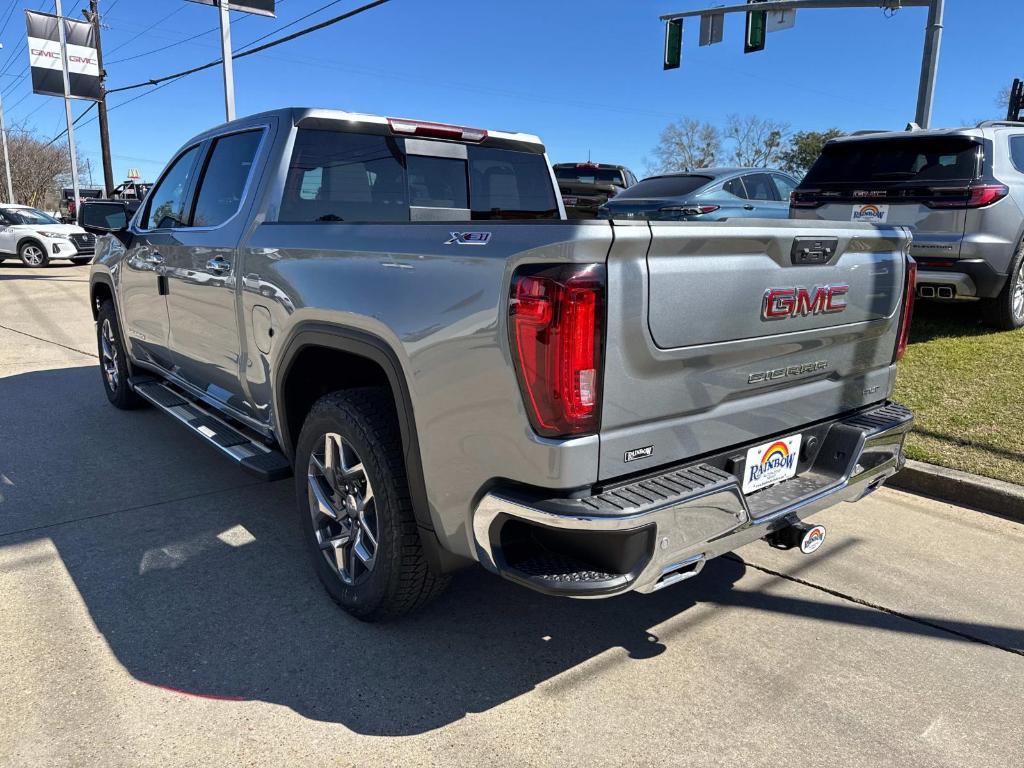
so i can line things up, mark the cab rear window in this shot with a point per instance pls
(887, 161)
(335, 176)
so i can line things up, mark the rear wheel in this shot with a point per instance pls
(113, 360)
(32, 254)
(355, 510)
(1006, 311)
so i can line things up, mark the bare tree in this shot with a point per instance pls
(37, 167)
(686, 144)
(756, 142)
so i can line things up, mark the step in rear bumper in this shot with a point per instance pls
(687, 515)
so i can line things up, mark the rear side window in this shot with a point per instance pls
(881, 161)
(223, 181)
(337, 176)
(784, 185)
(1017, 152)
(166, 208)
(735, 187)
(665, 186)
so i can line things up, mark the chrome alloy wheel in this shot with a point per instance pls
(32, 255)
(108, 347)
(1018, 294)
(343, 508)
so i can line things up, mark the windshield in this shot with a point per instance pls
(897, 160)
(29, 216)
(590, 175)
(665, 186)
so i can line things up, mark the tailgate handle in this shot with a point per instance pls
(813, 250)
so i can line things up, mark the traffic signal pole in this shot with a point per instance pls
(929, 59)
(93, 16)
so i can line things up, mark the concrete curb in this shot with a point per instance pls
(951, 485)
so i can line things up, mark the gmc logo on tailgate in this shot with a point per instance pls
(780, 303)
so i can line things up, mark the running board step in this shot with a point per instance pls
(245, 450)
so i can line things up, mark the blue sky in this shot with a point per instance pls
(585, 76)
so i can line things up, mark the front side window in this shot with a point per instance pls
(759, 187)
(166, 208)
(223, 181)
(784, 185)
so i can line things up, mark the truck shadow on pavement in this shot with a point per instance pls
(198, 581)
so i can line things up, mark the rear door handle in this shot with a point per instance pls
(748, 207)
(218, 265)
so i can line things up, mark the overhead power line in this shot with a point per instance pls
(251, 51)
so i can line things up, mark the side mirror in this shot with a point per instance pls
(106, 217)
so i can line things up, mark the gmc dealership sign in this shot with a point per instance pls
(45, 61)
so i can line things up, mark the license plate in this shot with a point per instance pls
(771, 463)
(570, 201)
(870, 213)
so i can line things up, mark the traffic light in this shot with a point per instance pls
(673, 43)
(757, 29)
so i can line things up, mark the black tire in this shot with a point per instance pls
(82, 261)
(400, 578)
(112, 354)
(1006, 311)
(33, 254)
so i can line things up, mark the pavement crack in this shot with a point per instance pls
(876, 606)
(49, 341)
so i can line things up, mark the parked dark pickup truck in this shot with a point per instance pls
(397, 313)
(585, 187)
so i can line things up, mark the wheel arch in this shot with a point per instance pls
(313, 343)
(29, 238)
(101, 288)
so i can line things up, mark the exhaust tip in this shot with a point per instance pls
(944, 292)
(926, 292)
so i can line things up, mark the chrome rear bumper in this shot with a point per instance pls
(674, 522)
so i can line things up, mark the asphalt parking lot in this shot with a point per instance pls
(158, 609)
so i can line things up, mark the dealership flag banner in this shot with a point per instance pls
(45, 60)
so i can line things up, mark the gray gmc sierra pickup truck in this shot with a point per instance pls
(398, 313)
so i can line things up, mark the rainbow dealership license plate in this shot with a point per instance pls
(771, 463)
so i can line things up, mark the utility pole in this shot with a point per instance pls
(714, 16)
(225, 46)
(67, 102)
(93, 17)
(7, 156)
(929, 63)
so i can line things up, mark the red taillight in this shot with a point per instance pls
(908, 309)
(436, 130)
(974, 196)
(557, 320)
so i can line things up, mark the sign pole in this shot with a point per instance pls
(108, 168)
(7, 156)
(67, 102)
(229, 75)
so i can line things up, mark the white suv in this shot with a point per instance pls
(37, 238)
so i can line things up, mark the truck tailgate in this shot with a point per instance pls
(694, 365)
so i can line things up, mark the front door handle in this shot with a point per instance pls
(218, 265)
(748, 207)
(153, 259)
